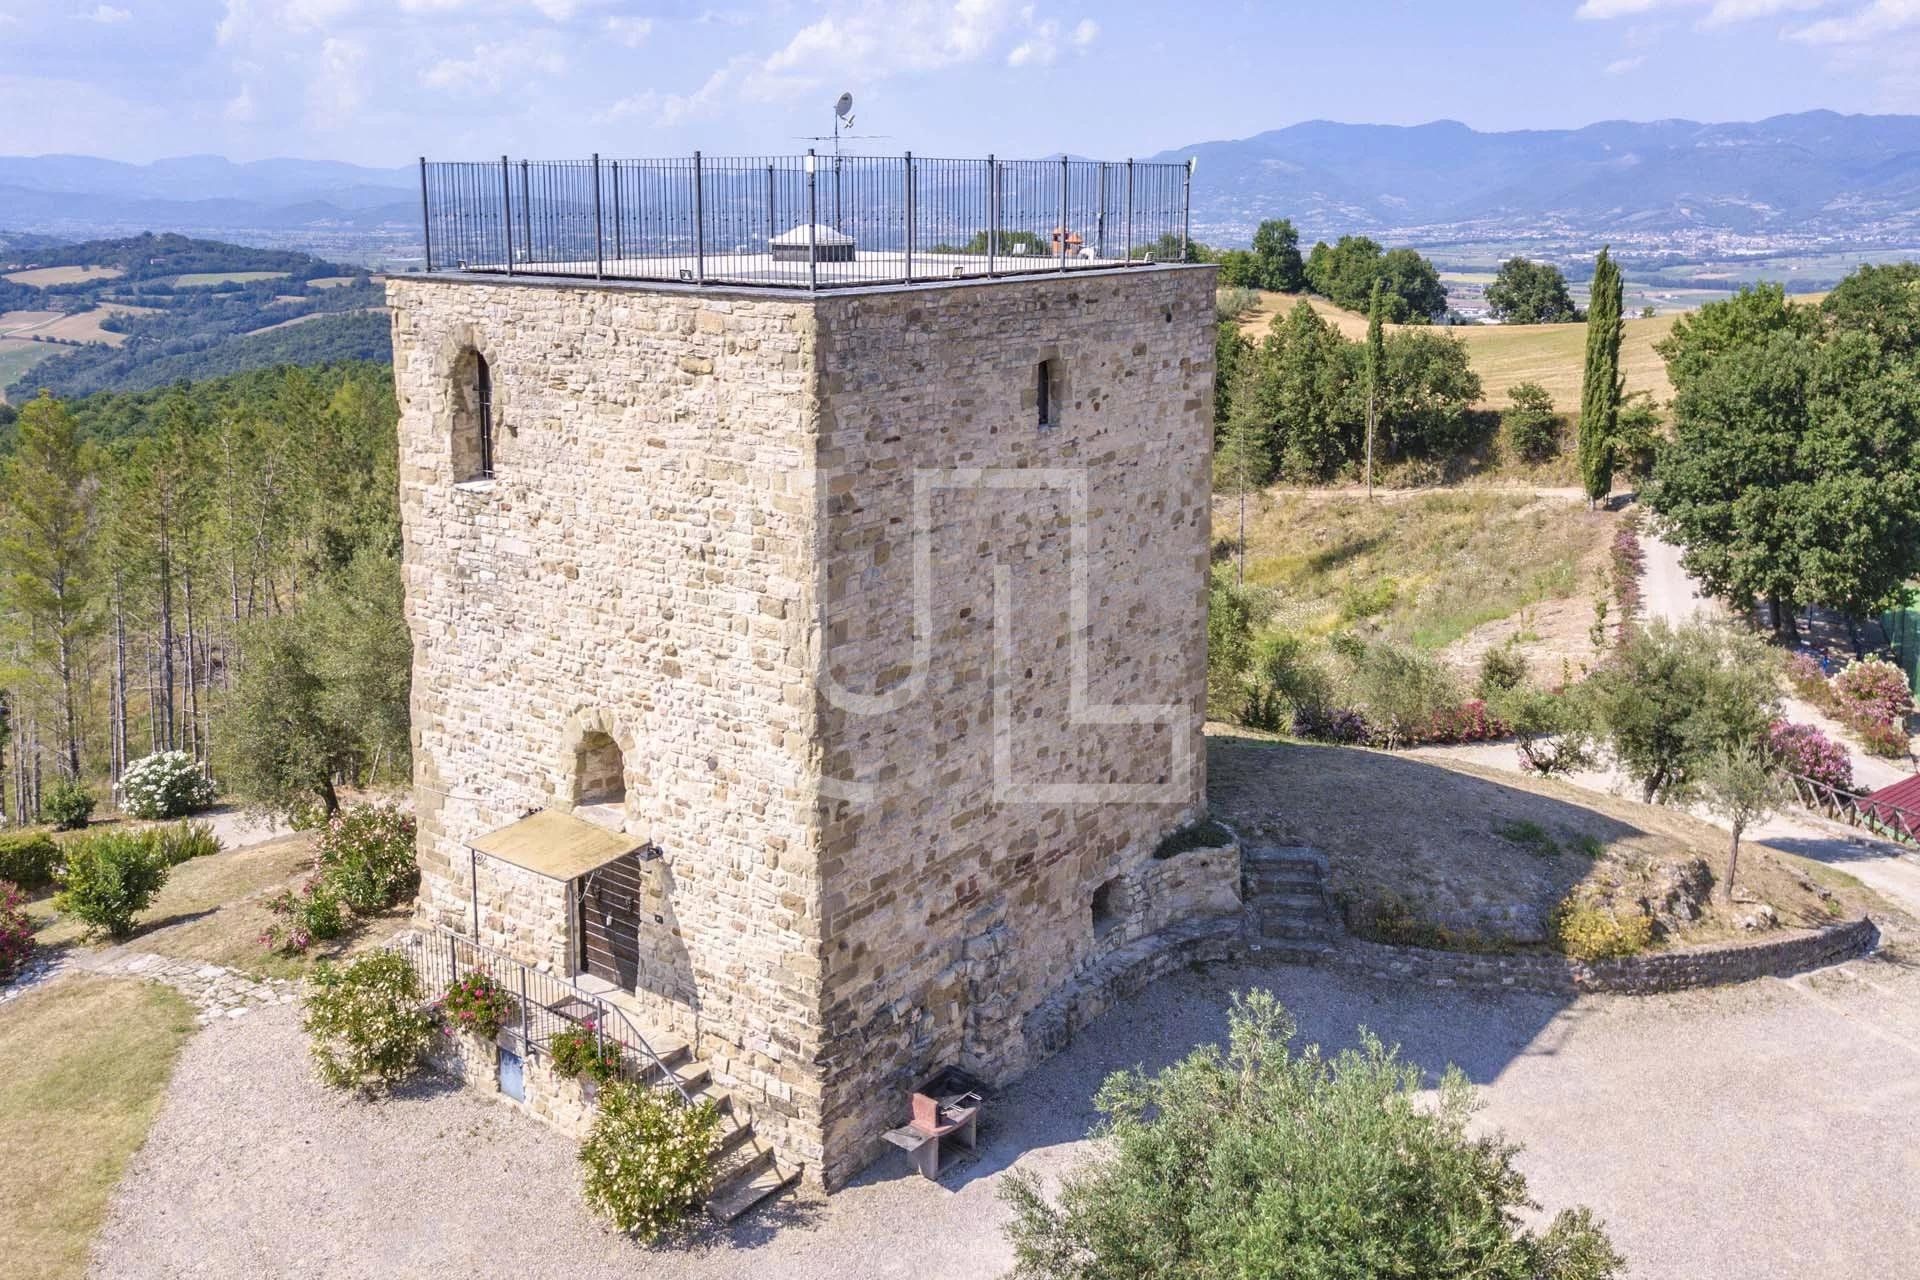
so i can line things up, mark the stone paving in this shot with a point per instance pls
(218, 992)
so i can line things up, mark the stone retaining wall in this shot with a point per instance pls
(555, 1100)
(1633, 975)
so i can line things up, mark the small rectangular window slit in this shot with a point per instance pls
(1043, 392)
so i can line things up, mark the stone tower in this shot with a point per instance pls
(874, 619)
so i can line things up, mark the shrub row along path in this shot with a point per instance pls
(1753, 1133)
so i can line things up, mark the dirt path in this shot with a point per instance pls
(1666, 589)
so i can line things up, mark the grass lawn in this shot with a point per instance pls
(1504, 356)
(1424, 568)
(224, 277)
(1471, 848)
(83, 1065)
(214, 909)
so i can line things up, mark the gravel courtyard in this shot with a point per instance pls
(1763, 1131)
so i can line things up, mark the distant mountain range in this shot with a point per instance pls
(1809, 177)
(87, 195)
(1813, 174)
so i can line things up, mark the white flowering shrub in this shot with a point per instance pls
(648, 1157)
(164, 785)
(366, 1022)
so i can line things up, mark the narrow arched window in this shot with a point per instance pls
(472, 418)
(483, 396)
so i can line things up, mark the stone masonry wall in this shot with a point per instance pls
(954, 903)
(641, 566)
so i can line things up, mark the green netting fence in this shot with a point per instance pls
(1903, 633)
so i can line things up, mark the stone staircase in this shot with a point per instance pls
(1289, 915)
(746, 1173)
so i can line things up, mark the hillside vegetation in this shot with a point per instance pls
(141, 311)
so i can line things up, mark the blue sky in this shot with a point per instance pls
(381, 82)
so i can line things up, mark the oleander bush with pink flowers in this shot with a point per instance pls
(1804, 750)
(476, 1002)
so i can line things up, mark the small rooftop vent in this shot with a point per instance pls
(828, 245)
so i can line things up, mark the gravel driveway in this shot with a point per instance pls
(1764, 1131)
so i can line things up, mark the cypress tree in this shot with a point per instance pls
(1376, 369)
(1600, 385)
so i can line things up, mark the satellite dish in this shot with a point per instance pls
(844, 107)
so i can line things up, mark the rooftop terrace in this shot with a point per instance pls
(801, 222)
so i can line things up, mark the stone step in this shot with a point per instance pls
(1291, 952)
(734, 1137)
(748, 1185)
(1262, 858)
(1282, 876)
(1297, 930)
(721, 1099)
(692, 1076)
(1271, 903)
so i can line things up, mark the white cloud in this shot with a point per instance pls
(1621, 66)
(1880, 18)
(107, 15)
(491, 67)
(338, 86)
(1040, 48)
(1085, 32)
(631, 32)
(240, 107)
(1719, 13)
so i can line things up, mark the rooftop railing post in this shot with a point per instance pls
(453, 960)
(1186, 211)
(906, 274)
(526, 212)
(770, 213)
(1100, 222)
(426, 216)
(993, 212)
(699, 223)
(506, 210)
(599, 258)
(1129, 257)
(1063, 213)
(813, 223)
(619, 228)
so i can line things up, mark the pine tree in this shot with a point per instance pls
(47, 564)
(1244, 460)
(1376, 370)
(1600, 386)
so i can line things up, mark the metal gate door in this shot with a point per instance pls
(610, 922)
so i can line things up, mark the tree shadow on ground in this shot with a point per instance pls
(1435, 1028)
(1457, 849)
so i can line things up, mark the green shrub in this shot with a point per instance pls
(475, 1001)
(365, 1023)
(367, 853)
(67, 805)
(1533, 432)
(1588, 931)
(1368, 600)
(1403, 690)
(29, 859)
(1264, 1160)
(1283, 678)
(165, 784)
(1502, 670)
(16, 931)
(110, 878)
(315, 914)
(577, 1051)
(179, 842)
(1206, 834)
(648, 1158)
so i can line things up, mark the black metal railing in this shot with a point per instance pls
(802, 221)
(545, 1004)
